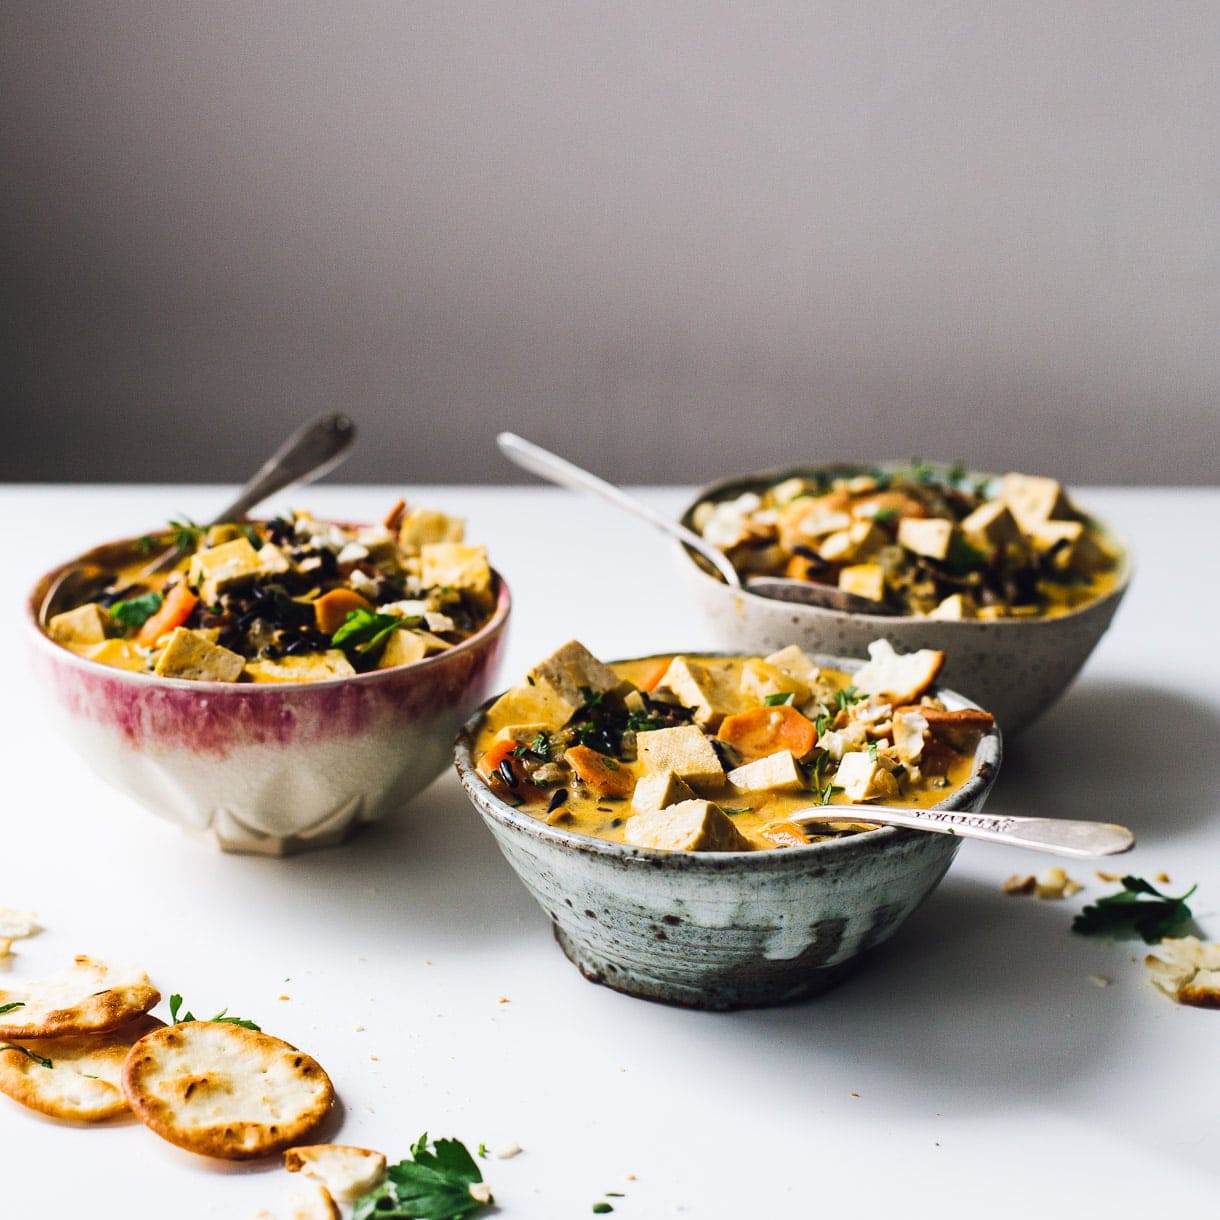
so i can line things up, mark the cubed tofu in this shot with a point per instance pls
(930, 536)
(793, 661)
(529, 705)
(455, 565)
(688, 826)
(761, 679)
(1077, 550)
(858, 541)
(1032, 499)
(955, 606)
(777, 772)
(572, 670)
(864, 779)
(194, 657)
(864, 580)
(803, 521)
(227, 566)
(122, 654)
(685, 751)
(991, 526)
(909, 731)
(659, 790)
(272, 560)
(900, 677)
(85, 625)
(309, 667)
(402, 648)
(710, 693)
(425, 526)
(838, 742)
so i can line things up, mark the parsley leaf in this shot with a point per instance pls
(175, 1005)
(10, 1007)
(1138, 909)
(187, 535)
(365, 630)
(38, 1059)
(435, 1184)
(136, 611)
(779, 699)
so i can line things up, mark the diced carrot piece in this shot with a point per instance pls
(493, 765)
(760, 731)
(602, 775)
(332, 608)
(173, 612)
(653, 680)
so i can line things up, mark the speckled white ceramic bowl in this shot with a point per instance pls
(1016, 668)
(266, 768)
(724, 930)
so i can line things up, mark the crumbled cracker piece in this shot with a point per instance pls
(1054, 883)
(1016, 884)
(1187, 970)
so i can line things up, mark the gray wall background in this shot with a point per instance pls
(672, 240)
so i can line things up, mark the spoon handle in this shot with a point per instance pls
(1059, 836)
(307, 454)
(554, 469)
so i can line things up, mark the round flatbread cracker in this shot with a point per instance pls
(224, 1091)
(85, 998)
(83, 1082)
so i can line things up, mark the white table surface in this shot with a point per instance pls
(972, 1065)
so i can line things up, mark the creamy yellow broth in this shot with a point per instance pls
(607, 817)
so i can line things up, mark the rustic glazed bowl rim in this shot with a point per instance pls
(987, 758)
(721, 489)
(247, 690)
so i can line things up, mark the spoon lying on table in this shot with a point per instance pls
(311, 451)
(1059, 836)
(555, 469)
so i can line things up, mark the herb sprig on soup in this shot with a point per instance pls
(292, 599)
(696, 753)
(921, 541)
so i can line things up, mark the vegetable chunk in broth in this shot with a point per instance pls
(698, 753)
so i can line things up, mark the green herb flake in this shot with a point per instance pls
(145, 544)
(483, 1151)
(732, 810)
(1138, 909)
(38, 1059)
(779, 699)
(872, 751)
(609, 763)
(365, 630)
(434, 1184)
(221, 1018)
(11, 1007)
(602, 1208)
(136, 611)
(885, 514)
(187, 535)
(848, 696)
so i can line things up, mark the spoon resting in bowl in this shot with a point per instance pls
(311, 451)
(554, 469)
(1060, 836)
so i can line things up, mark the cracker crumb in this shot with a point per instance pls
(480, 1191)
(375, 1058)
(506, 1151)
(284, 997)
(1099, 980)
(1161, 878)
(853, 1093)
(630, 1177)
(1054, 883)
(504, 1000)
(1109, 878)
(1016, 884)
(359, 1029)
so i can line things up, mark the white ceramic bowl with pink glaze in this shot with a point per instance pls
(269, 768)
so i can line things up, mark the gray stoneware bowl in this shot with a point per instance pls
(722, 930)
(1016, 668)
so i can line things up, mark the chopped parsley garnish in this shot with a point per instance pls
(601, 1208)
(828, 792)
(849, 695)
(187, 535)
(434, 1184)
(779, 699)
(145, 544)
(364, 631)
(175, 1005)
(483, 1151)
(885, 514)
(136, 611)
(1138, 909)
(38, 1059)
(12, 1006)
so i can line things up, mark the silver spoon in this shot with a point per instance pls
(311, 451)
(555, 469)
(1061, 837)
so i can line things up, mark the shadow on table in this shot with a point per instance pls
(1143, 756)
